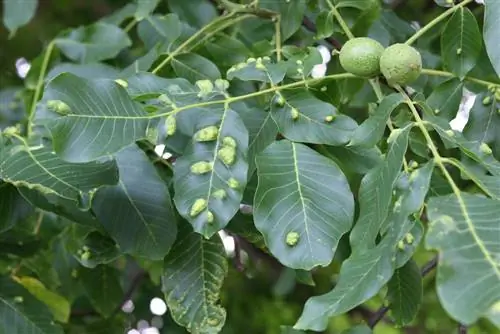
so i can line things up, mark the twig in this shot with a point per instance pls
(379, 315)
(257, 254)
(136, 281)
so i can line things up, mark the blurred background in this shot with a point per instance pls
(259, 295)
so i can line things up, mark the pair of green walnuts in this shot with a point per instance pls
(400, 64)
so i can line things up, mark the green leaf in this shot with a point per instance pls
(208, 197)
(57, 304)
(145, 8)
(359, 4)
(194, 272)
(452, 139)
(484, 124)
(372, 130)
(324, 24)
(197, 13)
(98, 123)
(312, 125)
(145, 223)
(94, 43)
(491, 32)
(461, 43)
(17, 14)
(13, 207)
(39, 168)
(120, 15)
(260, 69)
(61, 206)
(261, 129)
(354, 158)
(405, 293)
(21, 312)
(412, 240)
(375, 193)
(227, 50)
(366, 271)
(464, 229)
(102, 287)
(307, 199)
(94, 249)
(194, 67)
(87, 71)
(445, 99)
(156, 29)
(291, 14)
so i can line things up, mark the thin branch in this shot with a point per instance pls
(136, 282)
(379, 315)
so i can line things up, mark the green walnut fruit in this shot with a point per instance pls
(400, 64)
(361, 57)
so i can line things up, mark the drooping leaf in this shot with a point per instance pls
(405, 293)
(491, 33)
(21, 312)
(461, 42)
(304, 207)
(138, 212)
(13, 207)
(260, 69)
(445, 99)
(18, 13)
(324, 24)
(483, 124)
(194, 271)
(145, 8)
(120, 15)
(39, 168)
(210, 177)
(197, 13)
(366, 271)
(375, 193)
(94, 43)
(194, 67)
(291, 14)
(94, 249)
(163, 30)
(87, 71)
(261, 128)
(464, 229)
(372, 130)
(304, 118)
(57, 304)
(97, 123)
(61, 206)
(102, 287)
(354, 158)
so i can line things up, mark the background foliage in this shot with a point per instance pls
(345, 204)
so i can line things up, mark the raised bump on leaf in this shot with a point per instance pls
(201, 167)
(295, 113)
(233, 183)
(292, 238)
(210, 217)
(227, 155)
(171, 125)
(122, 83)
(198, 206)
(219, 194)
(485, 148)
(229, 141)
(59, 107)
(208, 133)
